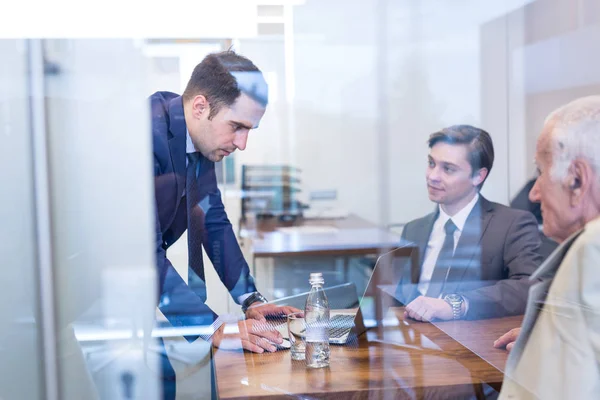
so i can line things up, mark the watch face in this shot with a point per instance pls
(453, 297)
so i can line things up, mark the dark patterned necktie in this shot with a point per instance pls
(443, 262)
(195, 217)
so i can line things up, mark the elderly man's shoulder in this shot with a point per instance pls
(590, 236)
(578, 270)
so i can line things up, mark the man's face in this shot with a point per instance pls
(228, 130)
(449, 174)
(560, 218)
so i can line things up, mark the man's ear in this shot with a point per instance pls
(579, 180)
(200, 106)
(479, 176)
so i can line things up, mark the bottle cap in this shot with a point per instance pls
(316, 277)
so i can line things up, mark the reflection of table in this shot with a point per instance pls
(431, 365)
(478, 335)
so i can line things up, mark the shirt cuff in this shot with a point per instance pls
(466, 302)
(244, 297)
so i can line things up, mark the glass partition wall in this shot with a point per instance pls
(77, 227)
(337, 168)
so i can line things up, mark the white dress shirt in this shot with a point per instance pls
(436, 240)
(189, 145)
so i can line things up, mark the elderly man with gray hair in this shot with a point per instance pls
(557, 353)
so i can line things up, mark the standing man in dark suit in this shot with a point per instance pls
(475, 256)
(225, 98)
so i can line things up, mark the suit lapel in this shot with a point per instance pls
(537, 296)
(177, 143)
(468, 250)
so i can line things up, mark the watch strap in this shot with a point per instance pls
(253, 298)
(455, 301)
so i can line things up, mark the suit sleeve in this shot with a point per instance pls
(521, 258)
(224, 251)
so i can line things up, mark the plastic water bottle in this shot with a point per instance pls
(316, 315)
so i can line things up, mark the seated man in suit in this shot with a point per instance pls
(557, 353)
(475, 256)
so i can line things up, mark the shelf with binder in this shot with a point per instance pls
(271, 191)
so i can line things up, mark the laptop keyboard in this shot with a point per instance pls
(340, 325)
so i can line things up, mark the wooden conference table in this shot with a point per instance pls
(444, 360)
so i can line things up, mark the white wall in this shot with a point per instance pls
(372, 80)
(545, 54)
(435, 83)
(437, 74)
(328, 128)
(270, 143)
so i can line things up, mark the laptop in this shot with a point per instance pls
(349, 316)
(343, 301)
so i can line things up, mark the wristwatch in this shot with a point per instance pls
(253, 298)
(456, 301)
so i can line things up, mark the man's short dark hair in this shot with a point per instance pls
(478, 142)
(212, 78)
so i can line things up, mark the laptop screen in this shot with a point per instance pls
(391, 274)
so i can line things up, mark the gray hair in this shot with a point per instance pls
(576, 134)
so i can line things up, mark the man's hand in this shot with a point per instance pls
(508, 339)
(428, 308)
(250, 335)
(259, 311)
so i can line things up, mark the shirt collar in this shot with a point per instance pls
(460, 218)
(189, 146)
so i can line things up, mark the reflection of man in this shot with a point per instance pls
(476, 255)
(557, 354)
(225, 98)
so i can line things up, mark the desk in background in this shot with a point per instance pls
(351, 236)
(344, 238)
(443, 360)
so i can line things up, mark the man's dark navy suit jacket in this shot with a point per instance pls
(181, 305)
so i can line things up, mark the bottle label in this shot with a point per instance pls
(317, 332)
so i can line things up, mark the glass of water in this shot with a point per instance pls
(297, 334)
